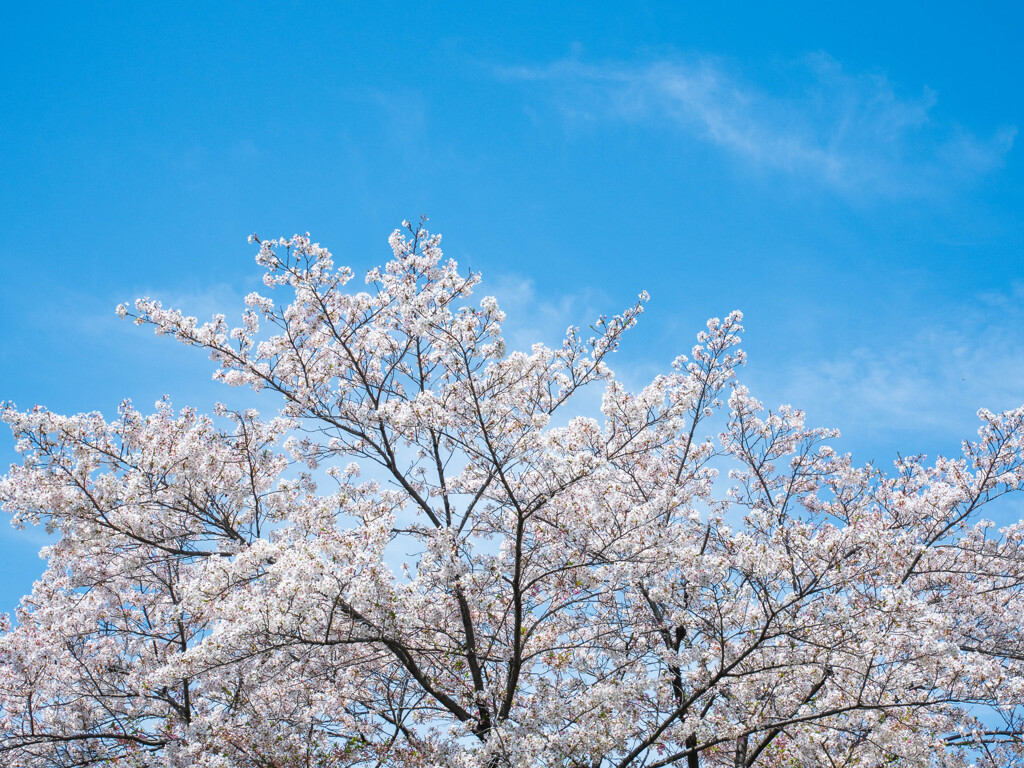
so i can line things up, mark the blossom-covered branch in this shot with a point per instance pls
(683, 578)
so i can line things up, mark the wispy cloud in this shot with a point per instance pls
(532, 318)
(929, 382)
(853, 132)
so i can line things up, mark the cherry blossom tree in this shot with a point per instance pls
(682, 579)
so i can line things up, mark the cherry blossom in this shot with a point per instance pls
(433, 554)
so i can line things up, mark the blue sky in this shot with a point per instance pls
(852, 179)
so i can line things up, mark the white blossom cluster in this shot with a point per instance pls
(573, 592)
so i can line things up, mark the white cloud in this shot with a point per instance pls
(531, 318)
(931, 381)
(853, 132)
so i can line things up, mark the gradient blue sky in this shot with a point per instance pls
(851, 179)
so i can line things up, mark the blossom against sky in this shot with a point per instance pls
(850, 180)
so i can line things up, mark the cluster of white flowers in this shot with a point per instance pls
(513, 587)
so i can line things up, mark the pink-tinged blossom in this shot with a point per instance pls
(682, 577)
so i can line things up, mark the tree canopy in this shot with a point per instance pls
(684, 578)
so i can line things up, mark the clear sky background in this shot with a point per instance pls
(852, 179)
